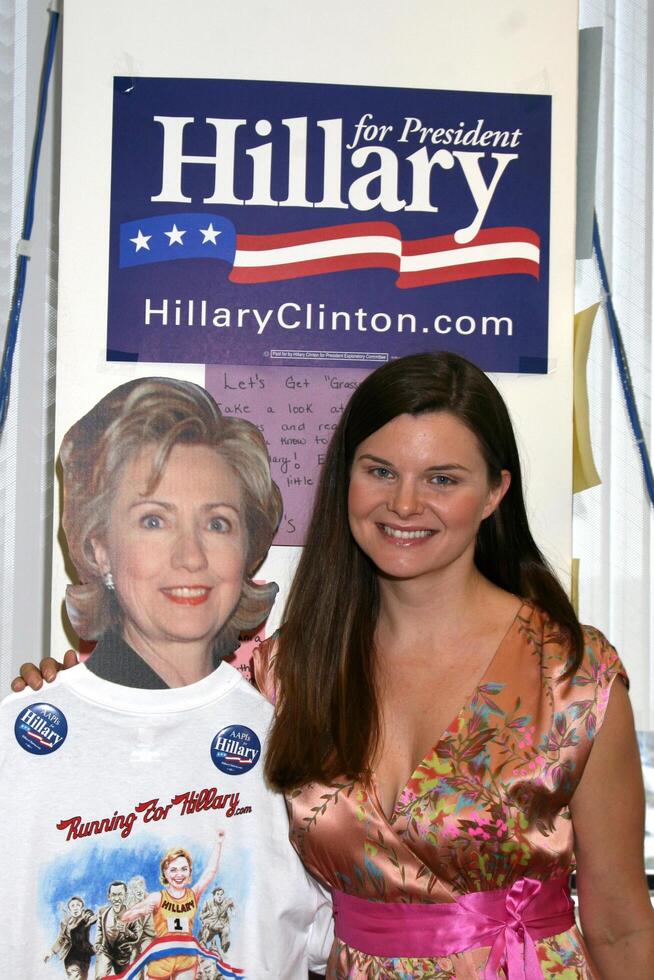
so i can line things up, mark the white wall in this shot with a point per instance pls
(508, 46)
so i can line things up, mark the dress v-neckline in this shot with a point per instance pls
(390, 818)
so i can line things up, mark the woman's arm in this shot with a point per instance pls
(33, 676)
(149, 904)
(211, 869)
(608, 810)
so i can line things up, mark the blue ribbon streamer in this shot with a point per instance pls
(623, 365)
(28, 221)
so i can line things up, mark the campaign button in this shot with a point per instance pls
(235, 750)
(41, 728)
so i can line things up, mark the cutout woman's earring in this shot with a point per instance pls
(109, 582)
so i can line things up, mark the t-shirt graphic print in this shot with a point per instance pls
(140, 841)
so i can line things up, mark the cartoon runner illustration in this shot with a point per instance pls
(174, 908)
(115, 940)
(214, 916)
(72, 945)
(136, 892)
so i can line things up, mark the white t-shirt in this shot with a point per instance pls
(98, 782)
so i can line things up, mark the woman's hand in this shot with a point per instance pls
(33, 676)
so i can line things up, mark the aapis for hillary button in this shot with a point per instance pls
(41, 728)
(235, 750)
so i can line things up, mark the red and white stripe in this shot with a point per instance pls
(176, 945)
(379, 245)
(38, 738)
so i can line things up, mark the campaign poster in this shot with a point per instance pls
(329, 226)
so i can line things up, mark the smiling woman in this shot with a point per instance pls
(451, 740)
(175, 907)
(176, 557)
(168, 510)
(419, 490)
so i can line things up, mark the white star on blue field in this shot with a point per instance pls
(177, 236)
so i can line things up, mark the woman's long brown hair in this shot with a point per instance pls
(327, 723)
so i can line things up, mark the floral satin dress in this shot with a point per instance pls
(486, 806)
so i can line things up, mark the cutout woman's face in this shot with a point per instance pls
(177, 554)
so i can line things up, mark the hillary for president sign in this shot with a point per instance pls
(274, 223)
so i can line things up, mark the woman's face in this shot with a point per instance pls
(178, 872)
(418, 492)
(177, 554)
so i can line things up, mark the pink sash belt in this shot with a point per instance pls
(508, 920)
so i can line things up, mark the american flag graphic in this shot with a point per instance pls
(38, 738)
(337, 248)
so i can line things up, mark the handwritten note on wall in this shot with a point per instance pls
(297, 410)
